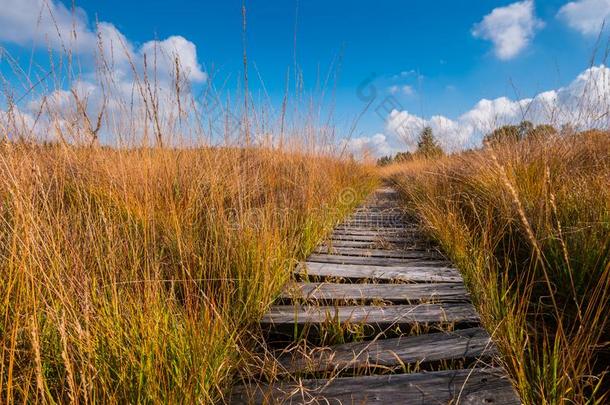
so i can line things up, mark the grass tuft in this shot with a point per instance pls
(528, 224)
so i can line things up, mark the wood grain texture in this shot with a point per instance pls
(391, 354)
(411, 273)
(378, 270)
(397, 293)
(390, 253)
(402, 227)
(374, 261)
(374, 244)
(373, 238)
(466, 387)
(286, 317)
(375, 232)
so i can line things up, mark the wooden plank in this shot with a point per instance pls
(374, 244)
(379, 207)
(466, 344)
(376, 218)
(466, 387)
(282, 318)
(372, 261)
(374, 231)
(440, 292)
(396, 293)
(401, 229)
(372, 238)
(396, 253)
(378, 215)
(411, 274)
(379, 243)
(374, 226)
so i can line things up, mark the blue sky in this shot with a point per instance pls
(434, 58)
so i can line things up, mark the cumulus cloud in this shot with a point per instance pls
(585, 16)
(376, 145)
(583, 103)
(172, 49)
(510, 28)
(42, 23)
(49, 23)
(118, 89)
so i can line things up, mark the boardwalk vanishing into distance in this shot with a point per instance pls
(376, 315)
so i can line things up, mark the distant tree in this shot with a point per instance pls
(525, 128)
(504, 134)
(384, 161)
(516, 133)
(543, 131)
(402, 157)
(427, 146)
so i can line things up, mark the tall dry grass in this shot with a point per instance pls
(145, 224)
(528, 224)
(139, 275)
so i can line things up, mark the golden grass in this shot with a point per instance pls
(139, 275)
(528, 224)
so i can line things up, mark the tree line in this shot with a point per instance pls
(429, 148)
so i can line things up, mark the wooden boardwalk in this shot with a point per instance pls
(409, 332)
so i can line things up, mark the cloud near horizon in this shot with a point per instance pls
(584, 103)
(510, 28)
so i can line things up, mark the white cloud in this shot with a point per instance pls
(15, 123)
(49, 23)
(586, 16)
(117, 90)
(405, 89)
(175, 47)
(584, 103)
(509, 28)
(43, 23)
(376, 145)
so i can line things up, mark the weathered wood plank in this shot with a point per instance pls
(377, 232)
(397, 254)
(377, 215)
(374, 244)
(347, 226)
(286, 317)
(410, 274)
(373, 261)
(374, 225)
(441, 292)
(376, 219)
(380, 207)
(466, 387)
(379, 243)
(373, 238)
(472, 343)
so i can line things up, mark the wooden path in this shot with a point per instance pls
(408, 332)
